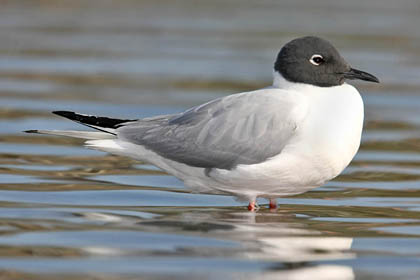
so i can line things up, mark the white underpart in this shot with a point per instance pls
(329, 126)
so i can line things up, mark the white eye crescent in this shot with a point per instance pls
(316, 59)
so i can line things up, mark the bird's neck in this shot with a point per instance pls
(280, 82)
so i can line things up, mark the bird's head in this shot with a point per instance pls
(315, 61)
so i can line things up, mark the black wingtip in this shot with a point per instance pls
(66, 114)
(31, 131)
(95, 122)
(84, 119)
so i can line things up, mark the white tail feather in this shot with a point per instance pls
(88, 135)
(107, 145)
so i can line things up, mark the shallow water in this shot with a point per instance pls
(68, 212)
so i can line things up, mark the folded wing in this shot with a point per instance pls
(245, 128)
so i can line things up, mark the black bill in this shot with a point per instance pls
(355, 74)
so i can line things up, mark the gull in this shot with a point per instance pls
(278, 141)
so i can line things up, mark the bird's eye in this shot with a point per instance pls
(316, 59)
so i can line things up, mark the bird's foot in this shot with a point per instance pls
(273, 204)
(253, 206)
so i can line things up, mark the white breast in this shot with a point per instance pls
(326, 140)
(332, 129)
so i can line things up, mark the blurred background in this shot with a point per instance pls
(71, 213)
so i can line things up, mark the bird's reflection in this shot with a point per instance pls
(295, 250)
(276, 239)
(293, 246)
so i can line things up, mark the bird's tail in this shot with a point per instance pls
(106, 126)
(88, 135)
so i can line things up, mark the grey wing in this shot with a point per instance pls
(244, 128)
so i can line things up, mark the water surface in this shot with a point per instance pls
(71, 213)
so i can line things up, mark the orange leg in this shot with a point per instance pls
(252, 206)
(273, 203)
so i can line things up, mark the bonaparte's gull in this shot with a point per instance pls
(277, 141)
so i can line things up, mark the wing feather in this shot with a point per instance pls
(245, 128)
